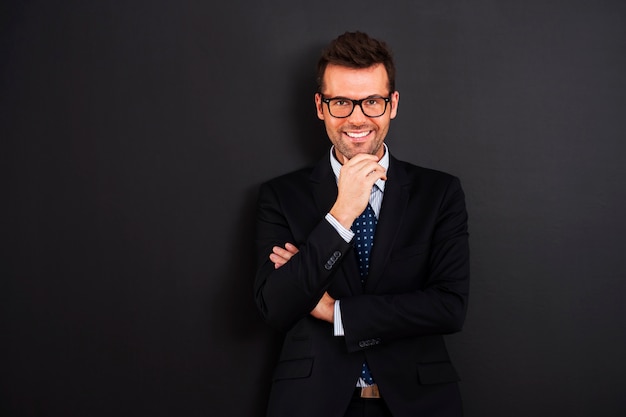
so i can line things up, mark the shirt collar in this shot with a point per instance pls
(384, 162)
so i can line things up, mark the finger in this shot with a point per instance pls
(377, 173)
(361, 157)
(291, 248)
(283, 253)
(277, 260)
(363, 165)
(373, 167)
(368, 175)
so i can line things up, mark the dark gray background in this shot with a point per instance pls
(135, 135)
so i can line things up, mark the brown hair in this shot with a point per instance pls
(356, 50)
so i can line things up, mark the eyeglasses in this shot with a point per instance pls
(341, 107)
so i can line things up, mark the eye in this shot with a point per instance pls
(340, 103)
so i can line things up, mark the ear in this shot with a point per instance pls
(318, 106)
(395, 99)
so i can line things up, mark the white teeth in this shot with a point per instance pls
(357, 135)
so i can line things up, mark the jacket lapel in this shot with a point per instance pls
(392, 212)
(324, 186)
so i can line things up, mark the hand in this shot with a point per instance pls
(356, 179)
(325, 308)
(280, 256)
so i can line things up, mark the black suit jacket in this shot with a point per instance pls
(416, 291)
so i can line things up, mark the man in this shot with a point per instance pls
(363, 336)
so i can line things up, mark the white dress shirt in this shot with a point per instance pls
(376, 200)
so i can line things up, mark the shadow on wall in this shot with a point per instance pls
(308, 129)
(234, 316)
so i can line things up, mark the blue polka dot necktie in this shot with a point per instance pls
(364, 227)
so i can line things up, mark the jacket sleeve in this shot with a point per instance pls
(438, 306)
(287, 294)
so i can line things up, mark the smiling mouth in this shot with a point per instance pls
(358, 135)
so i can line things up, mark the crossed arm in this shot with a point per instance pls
(354, 185)
(324, 310)
(294, 288)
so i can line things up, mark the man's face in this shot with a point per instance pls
(356, 133)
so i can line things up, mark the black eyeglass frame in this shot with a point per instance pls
(354, 104)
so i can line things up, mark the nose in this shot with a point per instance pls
(357, 114)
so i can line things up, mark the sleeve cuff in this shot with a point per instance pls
(346, 234)
(337, 323)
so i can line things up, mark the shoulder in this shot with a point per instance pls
(302, 178)
(296, 185)
(291, 180)
(415, 174)
(439, 188)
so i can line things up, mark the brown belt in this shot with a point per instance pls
(367, 392)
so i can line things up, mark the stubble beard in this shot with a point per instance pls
(350, 150)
